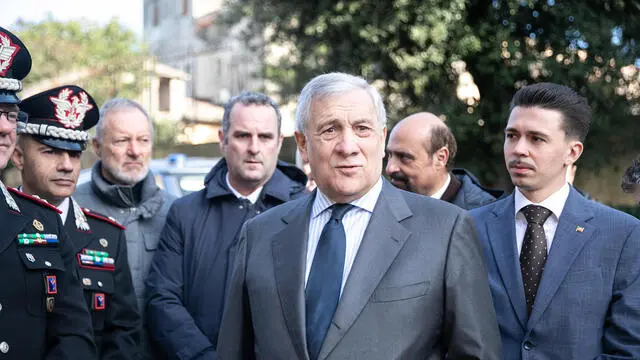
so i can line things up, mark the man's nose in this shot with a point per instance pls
(348, 143)
(521, 147)
(6, 127)
(134, 149)
(391, 166)
(254, 145)
(65, 163)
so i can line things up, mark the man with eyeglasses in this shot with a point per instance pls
(43, 314)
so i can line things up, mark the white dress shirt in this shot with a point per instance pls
(555, 202)
(438, 194)
(355, 222)
(64, 207)
(253, 197)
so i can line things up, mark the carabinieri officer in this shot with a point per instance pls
(48, 154)
(42, 311)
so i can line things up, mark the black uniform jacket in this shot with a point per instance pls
(42, 311)
(101, 254)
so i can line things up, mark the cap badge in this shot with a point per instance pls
(7, 51)
(70, 110)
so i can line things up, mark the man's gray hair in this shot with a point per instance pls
(118, 104)
(248, 98)
(331, 84)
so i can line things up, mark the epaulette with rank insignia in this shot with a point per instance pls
(35, 199)
(104, 218)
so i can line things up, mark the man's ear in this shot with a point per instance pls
(18, 156)
(221, 139)
(301, 141)
(575, 150)
(442, 157)
(384, 141)
(95, 144)
(280, 140)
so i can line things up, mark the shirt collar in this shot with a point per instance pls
(555, 202)
(253, 197)
(366, 202)
(438, 194)
(64, 207)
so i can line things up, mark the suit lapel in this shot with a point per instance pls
(289, 258)
(382, 240)
(502, 237)
(567, 243)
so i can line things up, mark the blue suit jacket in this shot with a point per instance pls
(588, 302)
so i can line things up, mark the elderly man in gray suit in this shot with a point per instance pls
(358, 269)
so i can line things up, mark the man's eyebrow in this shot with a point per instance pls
(401, 153)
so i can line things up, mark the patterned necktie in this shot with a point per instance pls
(534, 251)
(325, 279)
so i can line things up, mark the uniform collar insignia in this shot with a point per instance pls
(81, 220)
(9, 199)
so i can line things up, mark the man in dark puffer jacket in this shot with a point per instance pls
(189, 274)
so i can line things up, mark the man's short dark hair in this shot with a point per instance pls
(248, 98)
(575, 110)
(441, 136)
(631, 177)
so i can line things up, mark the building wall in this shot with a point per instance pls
(215, 55)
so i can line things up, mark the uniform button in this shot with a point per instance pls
(121, 211)
(241, 207)
(47, 263)
(4, 347)
(528, 345)
(99, 283)
(0, 307)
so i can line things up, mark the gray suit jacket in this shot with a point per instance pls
(417, 288)
(588, 302)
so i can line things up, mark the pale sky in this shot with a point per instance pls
(128, 12)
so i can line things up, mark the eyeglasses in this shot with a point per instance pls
(10, 115)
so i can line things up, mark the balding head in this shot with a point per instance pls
(429, 130)
(421, 151)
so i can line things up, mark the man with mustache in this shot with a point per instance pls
(48, 153)
(421, 152)
(189, 275)
(563, 270)
(123, 188)
(42, 311)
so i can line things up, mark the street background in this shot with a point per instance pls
(463, 59)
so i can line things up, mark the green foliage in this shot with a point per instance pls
(631, 210)
(408, 49)
(109, 58)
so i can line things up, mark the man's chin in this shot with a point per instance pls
(130, 178)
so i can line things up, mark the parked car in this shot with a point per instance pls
(178, 174)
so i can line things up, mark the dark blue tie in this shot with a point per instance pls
(325, 279)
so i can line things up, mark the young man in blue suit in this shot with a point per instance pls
(564, 271)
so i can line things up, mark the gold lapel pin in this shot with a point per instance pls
(579, 229)
(38, 225)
